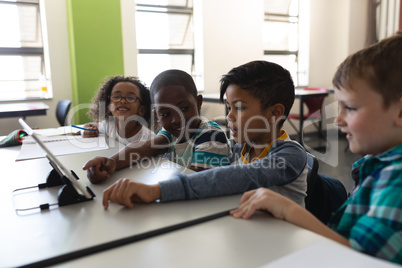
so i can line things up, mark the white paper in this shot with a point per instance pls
(66, 130)
(60, 145)
(329, 254)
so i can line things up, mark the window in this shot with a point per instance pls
(281, 38)
(386, 18)
(164, 37)
(22, 68)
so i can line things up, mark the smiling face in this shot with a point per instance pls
(177, 111)
(247, 121)
(123, 109)
(370, 127)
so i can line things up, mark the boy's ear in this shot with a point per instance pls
(277, 111)
(199, 102)
(399, 118)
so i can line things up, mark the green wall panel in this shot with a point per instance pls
(96, 47)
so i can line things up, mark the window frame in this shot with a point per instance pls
(291, 19)
(27, 51)
(169, 9)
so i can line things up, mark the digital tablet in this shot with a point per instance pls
(67, 173)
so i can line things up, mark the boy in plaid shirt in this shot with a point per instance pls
(369, 90)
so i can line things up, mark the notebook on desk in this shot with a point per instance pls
(60, 145)
(55, 162)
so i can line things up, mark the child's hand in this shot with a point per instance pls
(263, 199)
(126, 192)
(90, 133)
(99, 168)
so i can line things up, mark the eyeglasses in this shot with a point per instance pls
(118, 98)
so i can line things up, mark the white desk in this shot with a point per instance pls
(223, 242)
(37, 235)
(23, 109)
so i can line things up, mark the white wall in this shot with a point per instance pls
(231, 36)
(337, 29)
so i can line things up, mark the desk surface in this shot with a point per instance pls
(223, 242)
(23, 109)
(47, 234)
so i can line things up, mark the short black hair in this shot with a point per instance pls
(266, 81)
(173, 77)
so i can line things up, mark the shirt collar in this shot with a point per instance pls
(244, 151)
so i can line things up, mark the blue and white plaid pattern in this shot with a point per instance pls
(372, 216)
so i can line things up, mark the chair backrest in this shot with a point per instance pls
(327, 196)
(313, 165)
(315, 103)
(62, 109)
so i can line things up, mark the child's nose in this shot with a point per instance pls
(230, 116)
(176, 118)
(339, 120)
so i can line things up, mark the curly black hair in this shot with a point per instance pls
(102, 97)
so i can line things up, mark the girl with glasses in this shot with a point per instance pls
(121, 110)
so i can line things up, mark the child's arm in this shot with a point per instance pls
(211, 149)
(125, 192)
(100, 168)
(283, 208)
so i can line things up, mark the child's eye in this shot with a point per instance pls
(183, 109)
(350, 108)
(164, 114)
(239, 108)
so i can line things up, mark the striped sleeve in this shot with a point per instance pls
(163, 132)
(211, 149)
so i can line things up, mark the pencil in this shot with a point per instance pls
(74, 126)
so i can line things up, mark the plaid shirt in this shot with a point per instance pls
(372, 216)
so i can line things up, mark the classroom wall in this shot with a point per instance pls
(231, 37)
(337, 29)
(231, 34)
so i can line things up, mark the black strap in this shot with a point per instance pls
(123, 241)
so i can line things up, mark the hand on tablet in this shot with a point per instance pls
(99, 168)
(126, 192)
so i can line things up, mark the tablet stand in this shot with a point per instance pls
(53, 179)
(68, 194)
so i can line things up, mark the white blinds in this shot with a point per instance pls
(21, 51)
